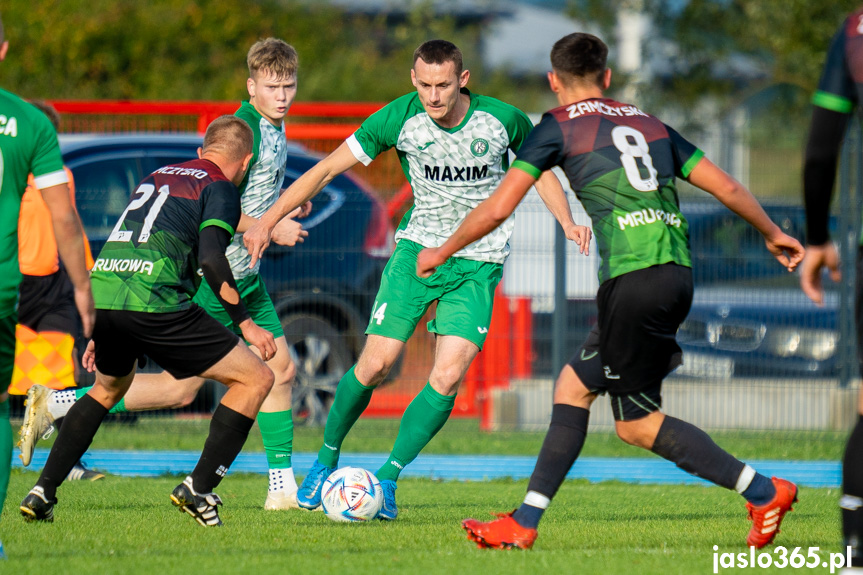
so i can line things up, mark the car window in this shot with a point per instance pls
(102, 189)
(153, 163)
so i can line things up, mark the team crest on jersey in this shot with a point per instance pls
(479, 147)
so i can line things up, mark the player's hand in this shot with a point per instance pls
(256, 239)
(581, 236)
(817, 258)
(289, 232)
(428, 261)
(260, 338)
(88, 361)
(86, 308)
(787, 251)
(304, 210)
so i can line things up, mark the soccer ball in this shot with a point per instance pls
(352, 494)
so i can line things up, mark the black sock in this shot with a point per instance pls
(560, 449)
(852, 498)
(228, 432)
(693, 451)
(76, 435)
(761, 490)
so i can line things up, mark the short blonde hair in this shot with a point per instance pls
(229, 136)
(274, 56)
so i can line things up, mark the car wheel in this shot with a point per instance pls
(321, 357)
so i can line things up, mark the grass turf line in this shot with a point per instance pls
(127, 525)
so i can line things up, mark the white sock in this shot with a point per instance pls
(60, 402)
(535, 499)
(744, 479)
(283, 480)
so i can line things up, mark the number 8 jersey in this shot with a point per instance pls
(150, 260)
(622, 164)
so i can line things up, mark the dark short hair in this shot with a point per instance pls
(440, 52)
(580, 56)
(49, 111)
(230, 136)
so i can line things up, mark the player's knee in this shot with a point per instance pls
(446, 379)
(266, 378)
(285, 374)
(186, 399)
(633, 433)
(371, 371)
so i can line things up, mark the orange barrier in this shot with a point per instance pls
(319, 126)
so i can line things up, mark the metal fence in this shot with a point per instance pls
(758, 354)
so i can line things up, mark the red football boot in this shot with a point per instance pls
(766, 518)
(502, 533)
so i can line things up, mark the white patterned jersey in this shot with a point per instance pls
(451, 170)
(262, 184)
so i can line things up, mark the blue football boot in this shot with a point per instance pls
(309, 493)
(389, 511)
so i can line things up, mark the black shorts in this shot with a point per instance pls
(47, 303)
(632, 348)
(183, 343)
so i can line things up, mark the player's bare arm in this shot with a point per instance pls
(70, 245)
(288, 232)
(710, 178)
(554, 197)
(817, 258)
(480, 221)
(257, 237)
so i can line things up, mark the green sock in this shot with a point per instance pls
(5, 450)
(423, 418)
(119, 408)
(277, 431)
(352, 398)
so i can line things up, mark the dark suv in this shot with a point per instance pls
(323, 289)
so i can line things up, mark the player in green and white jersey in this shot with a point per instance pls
(28, 144)
(453, 146)
(272, 86)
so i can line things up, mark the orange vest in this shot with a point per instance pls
(37, 246)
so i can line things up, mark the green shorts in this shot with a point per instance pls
(255, 297)
(464, 290)
(7, 349)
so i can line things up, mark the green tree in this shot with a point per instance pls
(196, 50)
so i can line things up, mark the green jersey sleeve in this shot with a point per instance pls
(47, 164)
(686, 155)
(380, 131)
(252, 117)
(516, 122)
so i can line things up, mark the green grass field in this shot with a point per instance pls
(462, 437)
(123, 525)
(127, 525)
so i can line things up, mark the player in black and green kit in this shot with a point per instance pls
(272, 86)
(839, 93)
(622, 164)
(180, 218)
(28, 145)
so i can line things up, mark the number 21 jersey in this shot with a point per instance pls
(150, 261)
(622, 164)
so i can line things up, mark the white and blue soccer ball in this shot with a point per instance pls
(352, 494)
